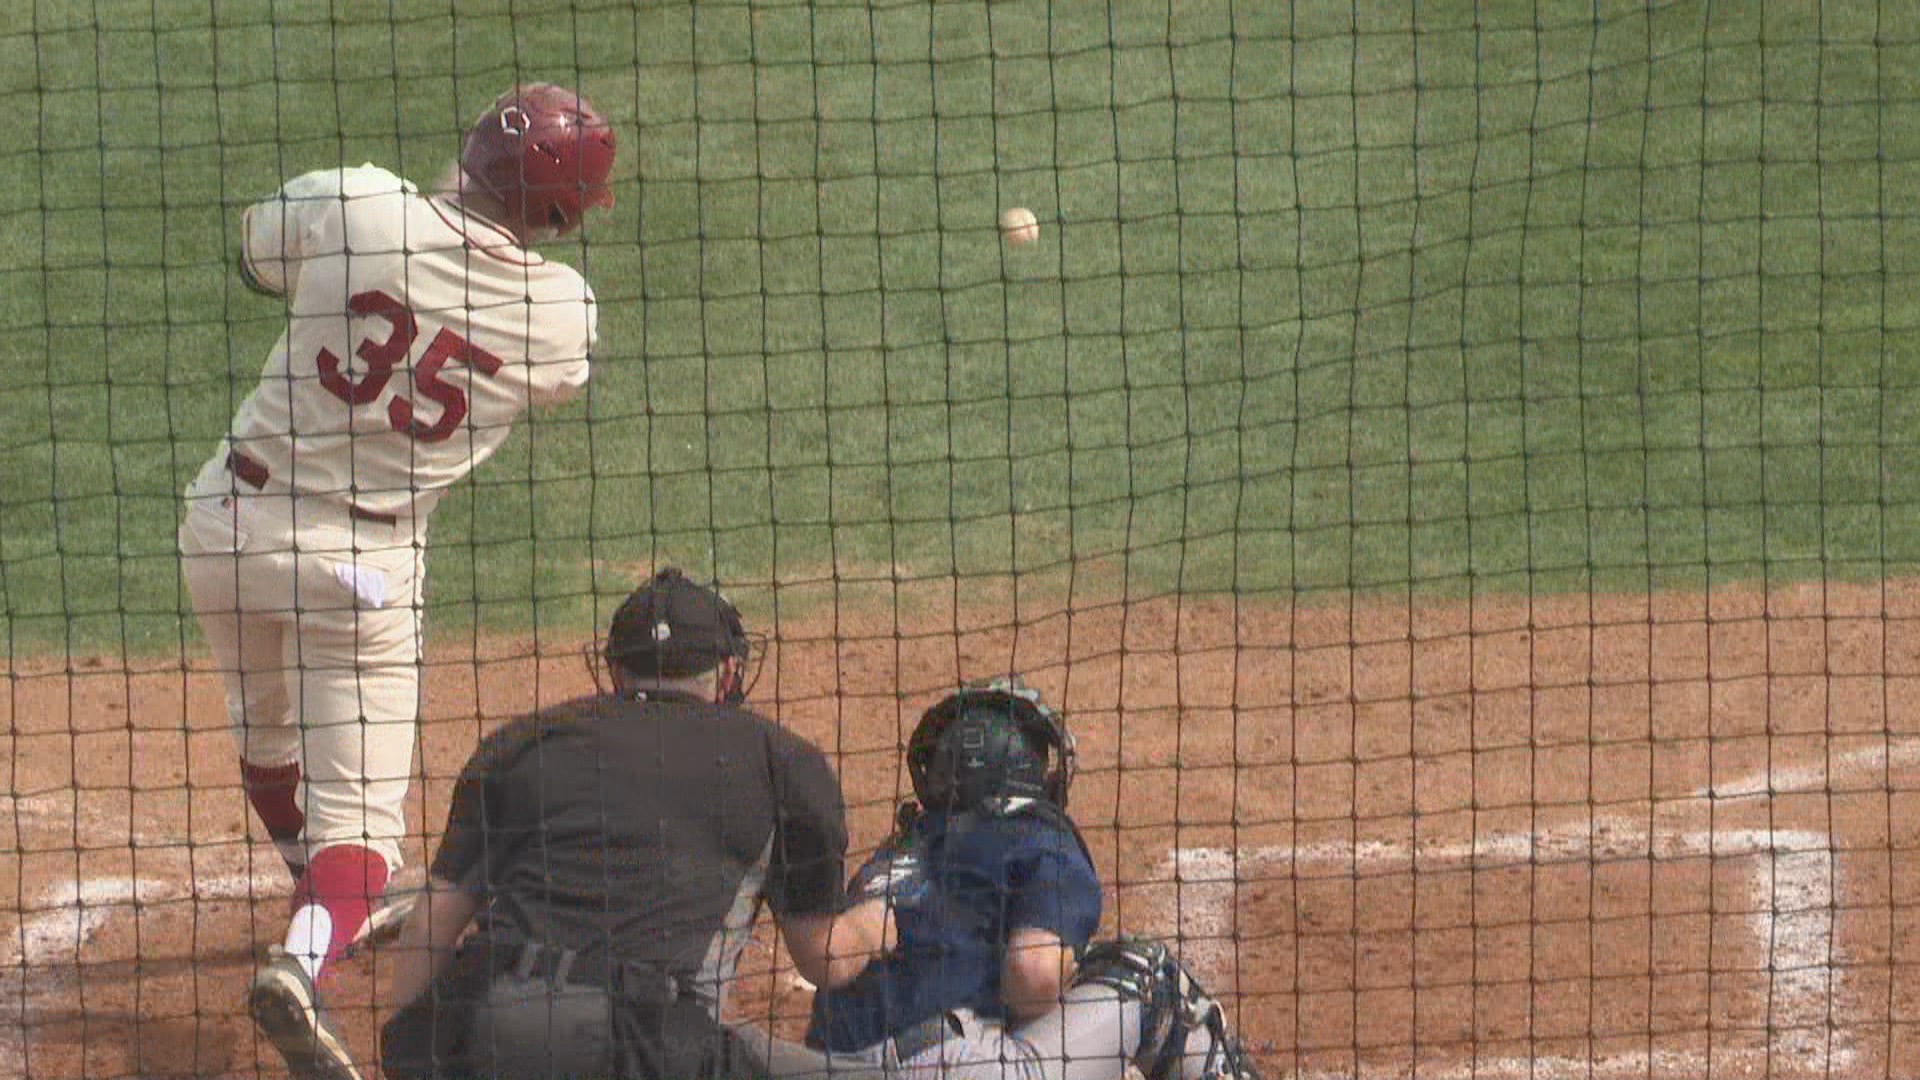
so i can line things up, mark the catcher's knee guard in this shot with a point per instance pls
(1172, 1006)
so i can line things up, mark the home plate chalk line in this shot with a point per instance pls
(38, 959)
(1791, 888)
(1790, 920)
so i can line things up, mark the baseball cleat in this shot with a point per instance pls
(288, 1013)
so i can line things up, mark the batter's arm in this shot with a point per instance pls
(263, 261)
(282, 232)
(427, 939)
(273, 231)
(562, 371)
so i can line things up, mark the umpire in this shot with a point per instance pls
(609, 856)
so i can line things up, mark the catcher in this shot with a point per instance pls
(984, 901)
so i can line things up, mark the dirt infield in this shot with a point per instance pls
(1583, 836)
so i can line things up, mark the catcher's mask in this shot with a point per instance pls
(993, 747)
(671, 627)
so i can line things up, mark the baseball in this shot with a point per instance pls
(1019, 226)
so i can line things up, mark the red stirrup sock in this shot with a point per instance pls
(273, 790)
(331, 903)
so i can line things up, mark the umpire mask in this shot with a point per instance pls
(672, 628)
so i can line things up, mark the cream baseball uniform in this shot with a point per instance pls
(416, 335)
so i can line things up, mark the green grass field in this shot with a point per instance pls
(1515, 295)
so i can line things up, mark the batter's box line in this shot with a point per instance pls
(44, 948)
(1790, 919)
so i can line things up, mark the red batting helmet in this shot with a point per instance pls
(545, 153)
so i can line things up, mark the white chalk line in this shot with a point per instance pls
(69, 914)
(43, 954)
(1900, 752)
(47, 944)
(66, 915)
(1624, 1066)
(1790, 918)
(1789, 921)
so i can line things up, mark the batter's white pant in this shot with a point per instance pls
(313, 617)
(1093, 1035)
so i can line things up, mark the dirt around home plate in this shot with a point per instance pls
(1579, 836)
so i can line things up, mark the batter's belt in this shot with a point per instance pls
(255, 474)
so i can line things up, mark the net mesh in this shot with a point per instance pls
(1446, 460)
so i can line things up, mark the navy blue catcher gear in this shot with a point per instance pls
(991, 747)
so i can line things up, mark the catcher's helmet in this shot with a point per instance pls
(990, 746)
(545, 153)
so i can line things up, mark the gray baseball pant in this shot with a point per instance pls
(1093, 1035)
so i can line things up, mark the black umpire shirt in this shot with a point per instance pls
(645, 831)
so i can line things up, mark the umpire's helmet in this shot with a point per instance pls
(993, 747)
(671, 627)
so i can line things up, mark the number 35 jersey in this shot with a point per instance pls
(416, 335)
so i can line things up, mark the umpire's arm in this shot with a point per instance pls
(428, 938)
(806, 887)
(455, 881)
(830, 950)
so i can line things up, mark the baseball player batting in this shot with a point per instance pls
(992, 901)
(419, 327)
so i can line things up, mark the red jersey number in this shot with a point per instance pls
(383, 356)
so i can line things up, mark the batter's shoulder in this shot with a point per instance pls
(552, 281)
(347, 181)
(564, 301)
(370, 179)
